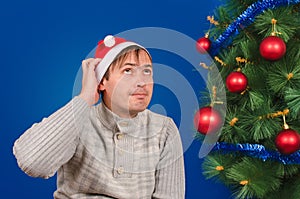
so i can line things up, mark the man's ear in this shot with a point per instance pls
(101, 86)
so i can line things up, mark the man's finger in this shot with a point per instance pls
(94, 63)
(87, 62)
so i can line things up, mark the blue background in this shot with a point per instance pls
(42, 45)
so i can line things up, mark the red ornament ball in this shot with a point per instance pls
(287, 141)
(207, 120)
(203, 45)
(272, 48)
(236, 82)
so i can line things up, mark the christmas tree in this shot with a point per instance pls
(255, 46)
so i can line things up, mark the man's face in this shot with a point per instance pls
(128, 90)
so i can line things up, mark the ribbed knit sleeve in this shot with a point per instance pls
(47, 145)
(170, 177)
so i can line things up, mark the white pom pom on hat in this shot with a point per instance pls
(109, 41)
(108, 49)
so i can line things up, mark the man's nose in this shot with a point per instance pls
(142, 79)
(140, 82)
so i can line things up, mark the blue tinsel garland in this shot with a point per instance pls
(245, 19)
(258, 151)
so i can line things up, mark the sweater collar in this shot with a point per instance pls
(125, 125)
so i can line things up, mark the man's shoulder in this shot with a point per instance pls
(159, 119)
(157, 116)
(163, 124)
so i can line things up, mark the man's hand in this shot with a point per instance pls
(89, 81)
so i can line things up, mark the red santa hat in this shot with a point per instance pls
(108, 49)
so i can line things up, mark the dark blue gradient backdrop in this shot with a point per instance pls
(42, 45)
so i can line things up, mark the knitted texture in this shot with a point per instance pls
(97, 154)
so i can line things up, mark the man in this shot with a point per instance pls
(115, 149)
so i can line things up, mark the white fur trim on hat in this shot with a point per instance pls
(111, 55)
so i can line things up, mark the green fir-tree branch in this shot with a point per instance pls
(250, 177)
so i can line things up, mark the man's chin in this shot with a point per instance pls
(137, 110)
(138, 107)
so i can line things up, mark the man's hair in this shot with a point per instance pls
(121, 57)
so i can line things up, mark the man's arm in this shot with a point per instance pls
(170, 177)
(47, 145)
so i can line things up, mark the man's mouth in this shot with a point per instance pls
(139, 94)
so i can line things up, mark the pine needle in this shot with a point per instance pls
(255, 173)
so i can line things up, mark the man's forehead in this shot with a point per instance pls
(141, 54)
(133, 56)
(140, 58)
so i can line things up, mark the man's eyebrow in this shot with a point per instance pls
(148, 65)
(134, 64)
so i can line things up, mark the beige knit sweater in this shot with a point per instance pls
(97, 154)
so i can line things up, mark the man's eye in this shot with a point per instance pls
(147, 72)
(128, 71)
